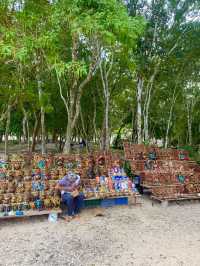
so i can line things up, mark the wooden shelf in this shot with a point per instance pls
(185, 197)
(114, 197)
(32, 213)
(166, 185)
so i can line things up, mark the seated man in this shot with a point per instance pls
(70, 195)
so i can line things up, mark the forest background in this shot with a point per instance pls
(99, 71)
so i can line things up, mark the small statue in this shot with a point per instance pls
(28, 186)
(20, 187)
(32, 205)
(7, 199)
(47, 203)
(1, 198)
(11, 187)
(3, 187)
(2, 174)
(38, 204)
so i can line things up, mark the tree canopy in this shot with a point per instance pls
(99, 70)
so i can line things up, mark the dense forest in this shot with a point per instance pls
(99, 71)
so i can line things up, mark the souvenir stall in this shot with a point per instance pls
(111, 185)
(27, 187)
(103, 181)
(167, 173)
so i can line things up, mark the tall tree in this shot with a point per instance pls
(167, 26)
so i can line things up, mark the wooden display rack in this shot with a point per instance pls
(147, 185)
(31, 214)
(132, 198)
(165, 201)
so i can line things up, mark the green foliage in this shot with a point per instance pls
(127, 169)
(37, 44)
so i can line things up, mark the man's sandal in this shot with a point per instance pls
(68, 218)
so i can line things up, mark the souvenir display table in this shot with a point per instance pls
(28, 188)
(180, 198)
(114, 185)
(167, 173)
(30, 213)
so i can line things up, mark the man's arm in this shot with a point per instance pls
(77, 182)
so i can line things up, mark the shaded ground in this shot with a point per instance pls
(51, 148)
(18, 148)
(140, 236)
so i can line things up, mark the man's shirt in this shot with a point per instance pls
(69, 182)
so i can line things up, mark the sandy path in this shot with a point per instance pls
(139, 236)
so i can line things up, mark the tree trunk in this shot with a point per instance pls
(72, 104)
(61, 143)
(35, 133)
(19, 138)
(146, 116)
(67, 146)
(104, 77)
(7, 130)
(54, 136)
(107, 120)
(43, 131)
(167, 131)
(139, 110)
(189, 122)
(43, 141)
(134, 126)
(84, 131)
(169, 121)
(28, 134)
(148, 100)
(94, 120)
(24, 129)
(105, 131)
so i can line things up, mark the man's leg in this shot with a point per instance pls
(78, 201)
(69, 201)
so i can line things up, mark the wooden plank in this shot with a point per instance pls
(162, 185)
(147, 185)
(113, 197)
(133, 200)
(107, 197)
(33, 213)
(188, 197)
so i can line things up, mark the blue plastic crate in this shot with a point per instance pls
(121, 201)
(107, 203)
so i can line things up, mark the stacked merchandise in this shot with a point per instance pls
(168, 173)
(112, 184)
(28, 182)
(105, 182)
(103, 177)
(23, 189)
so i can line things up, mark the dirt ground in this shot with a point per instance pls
(140, 236)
